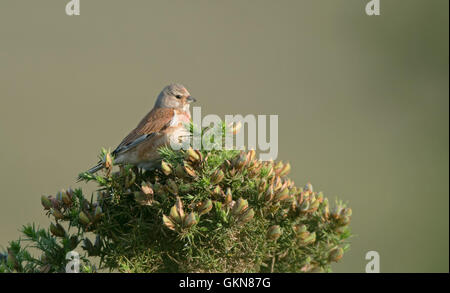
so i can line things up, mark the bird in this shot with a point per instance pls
(163, 125)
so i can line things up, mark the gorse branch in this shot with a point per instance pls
(202, 211)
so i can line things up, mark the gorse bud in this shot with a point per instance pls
(343, 221)
(309, 187)
(217, 192)
(285, 170)
(314, 205)
(98, 242)
(274, 232)
(299, 229)
(174, 215)
(241, 161)
(189, 170)
(57, 230)
(336, 254)
(282, 195)
(304, 206)
(172, 186)
(326, 209)
(57, 214)
(84, 219)
(277, 168)
(87, 245)
(192, 155)
(12, 259)
(46, 203)
(320, 197)
(190, 220)
(336, 211)
(56, 204)
(199, 153)
(179, 171)
(251, 155)
(98, 213)
(246, 216)
(277, 184)
(205, 207)
(239, 206)
(66, 199)
(346, 212)
(217, 176)
(143, 199)
(108, 161)
(168, 222)
(269, 171)
(147, 188)
(303, 235)
(269, 194)
(179, 207)
(177, 217)
(262, 186)
(228, 196)
(166, 168)
(73, 242)
(309, 239)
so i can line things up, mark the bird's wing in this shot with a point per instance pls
(153, 123)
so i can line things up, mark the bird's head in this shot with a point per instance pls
(174, 96)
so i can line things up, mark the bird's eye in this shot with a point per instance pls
(178, 96)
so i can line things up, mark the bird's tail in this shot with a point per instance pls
(94, 169)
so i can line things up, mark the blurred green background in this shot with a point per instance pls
(362, 101)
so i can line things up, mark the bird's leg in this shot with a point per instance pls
(141, 172)
(137, 171)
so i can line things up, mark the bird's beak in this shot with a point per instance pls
(191, 99)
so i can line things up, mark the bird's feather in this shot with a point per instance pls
(155, 121)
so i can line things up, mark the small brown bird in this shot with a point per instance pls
(163, 125)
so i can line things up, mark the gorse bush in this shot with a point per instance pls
(202, 211)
